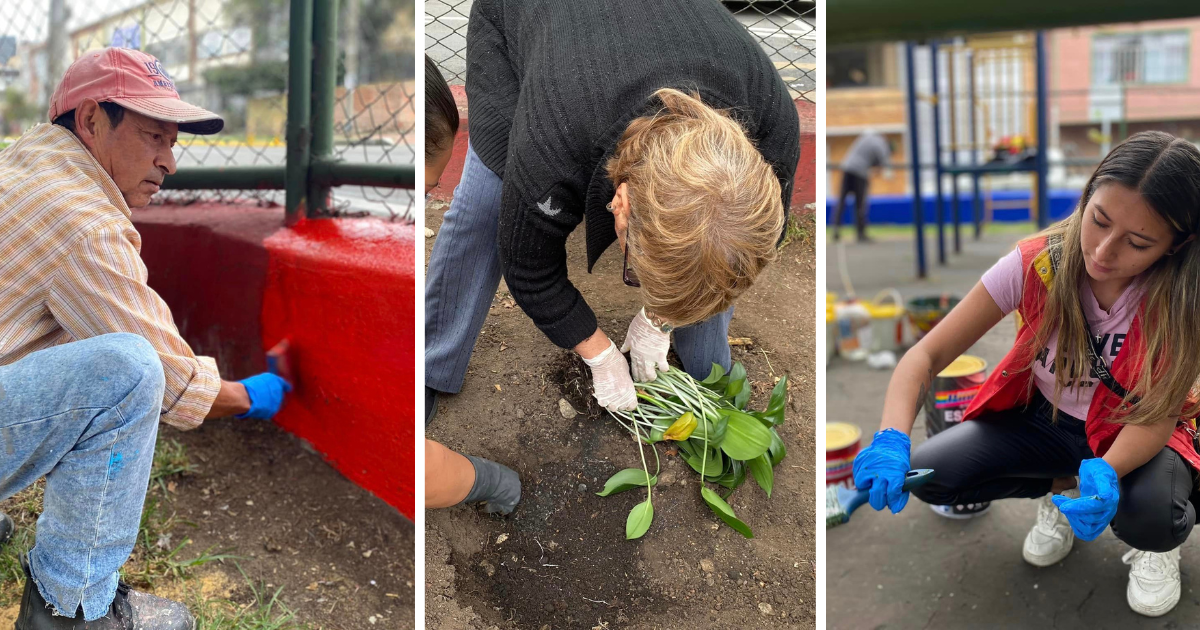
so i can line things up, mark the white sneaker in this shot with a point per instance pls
(1051, 538)
(962, 511)
(1154, 583)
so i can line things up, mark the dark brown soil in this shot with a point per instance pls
(341, 555)
(561, 559)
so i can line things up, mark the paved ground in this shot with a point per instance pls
(918, 570)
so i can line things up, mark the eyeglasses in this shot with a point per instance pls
(627, 273)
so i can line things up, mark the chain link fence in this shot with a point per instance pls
(786, 29)
(231, 57)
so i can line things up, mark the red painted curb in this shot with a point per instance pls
(342, 291)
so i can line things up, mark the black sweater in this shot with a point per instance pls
(552, 85)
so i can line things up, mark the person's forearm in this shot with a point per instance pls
(594, 345)
(449, 476)
(1136, 445)
(911, 380)
(232, 400)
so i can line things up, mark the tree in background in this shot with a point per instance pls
(17, 112)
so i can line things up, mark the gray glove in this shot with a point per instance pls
(496, 484)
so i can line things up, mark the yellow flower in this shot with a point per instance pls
(682, 428)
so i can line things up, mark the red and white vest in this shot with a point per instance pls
(1008, 386)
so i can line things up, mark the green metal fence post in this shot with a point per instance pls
(324, 95)
(299, 129)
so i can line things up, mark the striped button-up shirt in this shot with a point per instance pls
(70, 267)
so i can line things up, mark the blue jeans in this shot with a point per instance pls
(85, 416)
(464, 273)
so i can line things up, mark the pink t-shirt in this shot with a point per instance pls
(1005, 282)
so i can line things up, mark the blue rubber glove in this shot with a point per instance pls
(881, 467)
(1099, 495)
(266, 392)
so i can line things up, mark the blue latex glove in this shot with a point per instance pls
(1099, 495)
(266, 392)
(881, 467)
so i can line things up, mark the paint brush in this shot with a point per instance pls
(840, 502)
(280, 363)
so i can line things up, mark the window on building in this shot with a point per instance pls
(855, 66)
(1140, 58)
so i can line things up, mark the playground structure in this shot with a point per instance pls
(982, 111)
(1004, 114)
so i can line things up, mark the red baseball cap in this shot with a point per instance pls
(134, 80)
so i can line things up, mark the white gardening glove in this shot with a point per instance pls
(647, 347)
(610, 380)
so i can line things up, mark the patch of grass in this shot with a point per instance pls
(897, 231)
(154, 557)
(264, 611)
(24, 509)
(800, 229)
(170, 460)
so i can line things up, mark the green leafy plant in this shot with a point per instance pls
(716, 435)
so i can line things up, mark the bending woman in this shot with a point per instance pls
(665, 127)
(452, 478)
(1100, 383)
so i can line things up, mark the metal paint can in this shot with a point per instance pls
(841, 446)
(953, 390)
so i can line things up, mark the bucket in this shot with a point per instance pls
(925, 312)
(887, 321)
(952, 392)
(841, 445)
(854, 330)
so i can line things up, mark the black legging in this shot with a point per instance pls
(853, 184)
(1019, 452)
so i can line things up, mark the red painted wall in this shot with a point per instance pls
(804, 190)
(343, 292)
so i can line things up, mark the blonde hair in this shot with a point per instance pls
(706, 209)
(1165, 170)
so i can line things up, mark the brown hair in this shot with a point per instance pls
(706, 209)
(1165, 170)
(441, 112)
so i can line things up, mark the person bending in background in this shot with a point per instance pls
(870, 150)
(90, 358)
(451, 478)
(1101, 382)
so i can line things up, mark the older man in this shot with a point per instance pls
(90, 358)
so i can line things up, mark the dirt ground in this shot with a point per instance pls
(339, 557)
(919, 570)
(561, 559)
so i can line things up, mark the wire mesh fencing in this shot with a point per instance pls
(231, 57)
(786, 29)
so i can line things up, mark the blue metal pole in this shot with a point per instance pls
(1043, 144)
(938, 208)
(914, 144)
(952, 110)
(976, 199)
